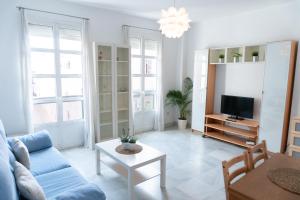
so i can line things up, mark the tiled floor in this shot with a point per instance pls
(193, 168)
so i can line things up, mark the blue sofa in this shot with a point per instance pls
(59, 180)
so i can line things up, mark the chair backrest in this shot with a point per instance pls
(257, 153)
(229, 176)
(293, 146)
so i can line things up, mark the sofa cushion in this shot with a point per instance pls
(86, 192)
(37, 141)
(59, 181)
(8, 189)
(21, 152)
(46, 160)
(27, 185)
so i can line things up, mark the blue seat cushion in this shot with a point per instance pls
(86, 192)
(60, 181)
(8, 189)
(46, 160)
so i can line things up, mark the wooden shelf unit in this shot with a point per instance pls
(245, 51)
(237, 132)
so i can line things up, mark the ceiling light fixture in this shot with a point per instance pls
(173, 22)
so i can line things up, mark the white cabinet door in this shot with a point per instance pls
(274, 94)
(199, 90)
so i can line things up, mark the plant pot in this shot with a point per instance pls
(255, 58)
(182, 124)
(128, 146)
(221, 60)
(235, 59)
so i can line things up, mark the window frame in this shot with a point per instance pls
(143, 74)
(59, 99)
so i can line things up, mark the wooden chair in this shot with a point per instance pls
(257, 153)
(294, 134)
(229, 176)
(293, 147)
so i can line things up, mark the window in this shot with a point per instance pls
(144, 59)
(57, 84)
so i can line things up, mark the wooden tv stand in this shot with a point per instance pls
(237, 132)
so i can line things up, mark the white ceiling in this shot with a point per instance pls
(198, 9)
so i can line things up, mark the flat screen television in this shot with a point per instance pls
(237, 107)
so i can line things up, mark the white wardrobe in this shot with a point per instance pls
(203, 89)
(112, 68)
(277, 94)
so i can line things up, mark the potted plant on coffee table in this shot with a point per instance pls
(127, 140)
(181, 100)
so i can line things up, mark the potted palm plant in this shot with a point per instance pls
(181, 99)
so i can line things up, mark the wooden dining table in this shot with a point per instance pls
(255, 185)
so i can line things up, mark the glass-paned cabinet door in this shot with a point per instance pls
(105, 90)
(123, 93)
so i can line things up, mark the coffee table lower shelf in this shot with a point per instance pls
(227, 138)
(140, 174)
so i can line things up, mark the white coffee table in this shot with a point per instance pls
(136, 168)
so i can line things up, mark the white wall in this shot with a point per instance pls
(280, 22)
(105, 26)
(240, 80)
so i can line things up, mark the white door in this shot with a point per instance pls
(57, 82)
(274, 94)
(199, 90)
(144, 76)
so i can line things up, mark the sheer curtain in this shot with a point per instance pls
(90, 89)
(26, 72)
(133, 32)
(159, 111)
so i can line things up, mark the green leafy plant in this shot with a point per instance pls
(126, 138)
(132, 139)
(221, 56)
(236, 55)
(181, 99)
(254, 53)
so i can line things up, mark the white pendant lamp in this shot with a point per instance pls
(173, 22)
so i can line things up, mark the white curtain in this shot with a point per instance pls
(26, 72)
(133, 32)
(90, 89)
(159, 112)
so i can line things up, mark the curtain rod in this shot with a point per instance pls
(31, 9)
(125, 25)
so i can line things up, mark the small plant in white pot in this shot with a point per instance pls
(236, 57)
(255, 57)
(221, 58)
(128, 141)
(181, 99)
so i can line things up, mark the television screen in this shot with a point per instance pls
(237, 106)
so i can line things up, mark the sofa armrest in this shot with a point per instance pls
(36, 141)
(86, 192)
